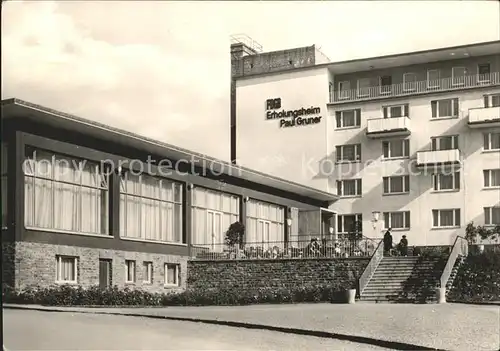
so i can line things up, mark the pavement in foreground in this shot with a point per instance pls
(446, 326)
(35, 330)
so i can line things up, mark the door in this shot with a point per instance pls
(104, 274)
(214, 228)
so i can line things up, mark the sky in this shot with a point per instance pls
(161, 69)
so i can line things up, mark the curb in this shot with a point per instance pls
(394, 345)
(484, 303)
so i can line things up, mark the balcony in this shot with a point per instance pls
(438, 158)
(484, 117)
(415, 88)
(387, 127)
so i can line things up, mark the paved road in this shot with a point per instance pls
(448, 326)
(34, 330)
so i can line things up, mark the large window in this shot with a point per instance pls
(265, 223)
(396, 184)
(150, 208)
(348, 118)
(396, 148)
(397, 220)
(491, 178)
(65, 194)
(395, 111)
(446, 218)
(449, 142)
(492, 215)
(349, 187)
(3, 184)
(445, 181)
(444, 108)
(492, 100)
(491, 141)
(348, 153)
(213, 213)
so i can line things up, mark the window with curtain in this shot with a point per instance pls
(491, 178)
(3, 184)
(396, 148)
(66, 269)
(492, 215)
(446, 218)
(63, 193)
(212, 214)
(265, 224)
(396, 184)
(397, 220)
(349, 187)
(150, 208)
(445, 108)
(491, 141)
(444, 181)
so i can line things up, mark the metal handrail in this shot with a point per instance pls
(312, 247)
(377, 256)
(416, 88)
(460, 247)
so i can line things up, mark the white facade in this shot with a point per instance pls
(265, 146)
(310, 154)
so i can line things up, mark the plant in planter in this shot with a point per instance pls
(234, 237)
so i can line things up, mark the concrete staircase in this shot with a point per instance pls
(405, 279)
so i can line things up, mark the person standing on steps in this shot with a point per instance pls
(403, 246)
(387, 242)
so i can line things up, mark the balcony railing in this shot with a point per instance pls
(388, 125)
(416, 88)
(279, 250)
(486, 117)
(438, 157)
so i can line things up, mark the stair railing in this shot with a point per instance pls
(460, 248)
(377, 256)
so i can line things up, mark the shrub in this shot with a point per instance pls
(478, 279)
(67, 295)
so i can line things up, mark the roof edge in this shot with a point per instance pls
(315, 194)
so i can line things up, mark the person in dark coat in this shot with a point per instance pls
(387, 242)
(403, 246)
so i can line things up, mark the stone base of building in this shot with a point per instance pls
(26, 264)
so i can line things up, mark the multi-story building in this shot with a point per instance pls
(88, 204)
(412, 139)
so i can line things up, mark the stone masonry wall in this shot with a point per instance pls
(254, 274)
(35, 264)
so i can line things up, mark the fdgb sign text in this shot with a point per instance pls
(292, 118)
